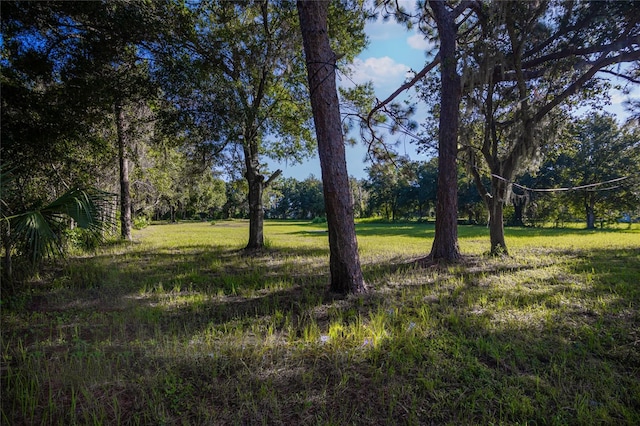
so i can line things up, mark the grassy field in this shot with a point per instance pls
(180, 327)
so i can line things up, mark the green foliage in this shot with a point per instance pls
(172, 185)
(293, 199)
(402, 189)
(38, 233)
(319, 219)
(236, 194)
(602, 151)
(81, 239)
(140, 222)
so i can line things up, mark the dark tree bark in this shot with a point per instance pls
(125, 193)
(255, 182)
(445, 243)
(346, 274)
(518, 211)
(257, 185)
(589, 206)
(495, 203)
(256, 213)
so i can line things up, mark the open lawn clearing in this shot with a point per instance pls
(181, 328)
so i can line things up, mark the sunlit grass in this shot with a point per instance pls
(182, 327)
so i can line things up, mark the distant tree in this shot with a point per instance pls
(207, 194)
(344, 262)
(543, 203)
(360, 196)
(285, 192)
(311, 198)
(384, 186)
(298, 199)
(603, 152)
(236, 195)
(425, 186)
(470, 202)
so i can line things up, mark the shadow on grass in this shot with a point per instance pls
(540, 350)
(194, 286)
(469, 365)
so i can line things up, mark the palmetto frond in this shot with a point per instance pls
(39, 231)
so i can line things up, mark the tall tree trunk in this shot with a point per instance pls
(445, 243)
(7, 264)
(346, 274)
(589, 205)
(257, 185)
(125, 193)
(518, 212)
(256, 209)
(495, 204)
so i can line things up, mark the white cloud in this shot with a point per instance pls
(418, 42)
(382, 71)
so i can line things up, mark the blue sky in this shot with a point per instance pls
(391, 53)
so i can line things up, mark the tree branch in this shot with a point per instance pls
(623, 76)
(404, 87)
(273, 177)
(572, 88)
(617, 45)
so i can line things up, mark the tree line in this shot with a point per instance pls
(596, 150)
(145, 100)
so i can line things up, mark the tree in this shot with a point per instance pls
(249, 78)
(601, 154)
(299, 199)
(516, 62)
(447, 23)
(285, 194)
(470, 202)
(533, 62)
(394, 188)
(236, 205)
(344, 263)
(310, 198)
(382, 184)
(88, 55)
(48, 141)
(445, 243)
(360, 196)
(167, 181)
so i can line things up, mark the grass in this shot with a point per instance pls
(180, 327)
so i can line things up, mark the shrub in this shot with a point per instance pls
(140, 222)
(319, 219)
